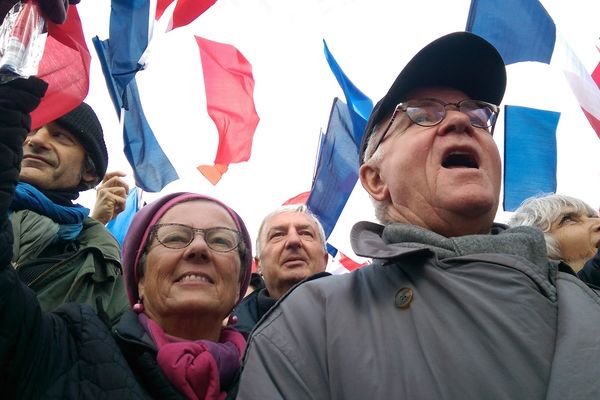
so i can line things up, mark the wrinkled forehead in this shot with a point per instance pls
(287, 219)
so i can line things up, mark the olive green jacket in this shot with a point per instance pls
(89, 274)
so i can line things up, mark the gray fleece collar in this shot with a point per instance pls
(390, 241)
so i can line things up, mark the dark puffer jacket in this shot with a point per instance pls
(71, 353)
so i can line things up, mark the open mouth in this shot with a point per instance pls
(194, 278)
(460, 159)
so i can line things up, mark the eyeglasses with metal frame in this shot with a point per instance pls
(430, 112)
(180, 236)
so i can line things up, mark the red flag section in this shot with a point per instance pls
(185, 11)
(596, 74)
(593, 120)
(300, 199)
(229, 97)
(349, 263)
(65, 66)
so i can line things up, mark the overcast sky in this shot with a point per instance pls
(371, 40)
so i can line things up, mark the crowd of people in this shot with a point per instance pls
(453, 305)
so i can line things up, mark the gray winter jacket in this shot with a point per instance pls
(474, 317)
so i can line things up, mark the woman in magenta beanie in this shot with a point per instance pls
(187, 263)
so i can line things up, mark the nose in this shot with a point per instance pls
(595, 222)
(455, 122)
(38, 138)
(197, 250)
(293, 239)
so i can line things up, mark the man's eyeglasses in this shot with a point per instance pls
(430, 112)
(179, 236)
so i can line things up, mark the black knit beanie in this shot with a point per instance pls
(83, 123)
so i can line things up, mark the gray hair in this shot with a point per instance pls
(297, 208)
(544, 210)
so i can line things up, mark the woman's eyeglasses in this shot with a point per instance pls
(179, 236)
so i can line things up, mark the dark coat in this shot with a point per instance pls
(590, 273)
(71, 352)
(257, 304)
(251, 309)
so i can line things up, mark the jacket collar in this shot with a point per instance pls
(391, 241)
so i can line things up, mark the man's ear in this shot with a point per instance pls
(372, 182)
(89, 179)
(258, 266)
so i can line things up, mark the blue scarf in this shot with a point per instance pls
(69, 218)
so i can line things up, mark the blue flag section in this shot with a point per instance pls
(521, 30)
(360, 105)
(119, 225)
(151, 166)
(331, 250)
(337, 168)
(119, 56)
(529, 154)
(129, 21)
(103, 52)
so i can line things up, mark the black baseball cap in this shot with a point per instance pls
(460, 60)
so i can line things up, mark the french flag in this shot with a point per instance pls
(523, 30)
(222, 78)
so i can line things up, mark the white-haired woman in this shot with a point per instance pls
(571, 228)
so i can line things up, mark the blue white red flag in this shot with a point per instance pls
(127, 52)
(523, 30)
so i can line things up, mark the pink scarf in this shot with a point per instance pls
(198, 368)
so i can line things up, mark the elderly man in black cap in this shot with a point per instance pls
(58, 251)
(453, 306)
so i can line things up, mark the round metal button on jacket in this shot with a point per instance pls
(403, 298)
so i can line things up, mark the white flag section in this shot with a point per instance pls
(294, 88)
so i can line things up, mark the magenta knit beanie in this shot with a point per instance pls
(139, 232)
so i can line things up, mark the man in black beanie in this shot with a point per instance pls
(59, 251)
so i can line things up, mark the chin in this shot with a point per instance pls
(470, 203)
(31, 178)
(200, 305)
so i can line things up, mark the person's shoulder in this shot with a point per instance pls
(569, 282)
(307, 296)
(92, 225)
(81, 317)
(95, 234)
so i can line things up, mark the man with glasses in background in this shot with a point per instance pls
(454, 306)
